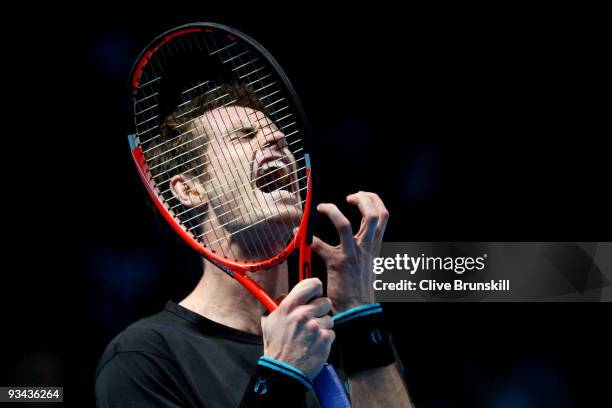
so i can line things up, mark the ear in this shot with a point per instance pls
(188, 190)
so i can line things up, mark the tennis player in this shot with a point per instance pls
(216, 348)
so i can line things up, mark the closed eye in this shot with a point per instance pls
(246, 133)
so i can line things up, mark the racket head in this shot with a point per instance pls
(218, 136)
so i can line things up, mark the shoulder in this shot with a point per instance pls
(138, 369)
(146, 337)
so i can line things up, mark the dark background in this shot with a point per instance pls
(474, 125)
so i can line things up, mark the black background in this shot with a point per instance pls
(471, 124)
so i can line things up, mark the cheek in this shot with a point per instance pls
(213, 156)
(242, 158)
(244, 151)
(229, 165)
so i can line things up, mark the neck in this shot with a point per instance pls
(225, 301)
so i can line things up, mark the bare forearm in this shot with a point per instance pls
(379, 387)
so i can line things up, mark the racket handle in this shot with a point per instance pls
(329, 389)
(304, 262)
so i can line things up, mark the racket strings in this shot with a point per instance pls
(205, 173)
(269, 185)
(198, 147)
(201, 136)
(151, 139)
(183, 113)
(157, 69)
(250, 226)
(250, 213)
(273, 183)
(238, 59)
(235, 198)
(190, 121)
(229, 174)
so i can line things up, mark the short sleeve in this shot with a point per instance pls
(139, 379)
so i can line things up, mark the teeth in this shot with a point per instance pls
(273, 175)
(272, 165)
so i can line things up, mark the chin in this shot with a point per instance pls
(278, 198)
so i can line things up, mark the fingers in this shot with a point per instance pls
(383, 215)
(319, 307)
(303, 293)
(307, 297)
(325, 322)
(342, 224)
(303, 336)
(375, 215)
(369, 213)
(320, 247)
(328, 336)
(373, 223)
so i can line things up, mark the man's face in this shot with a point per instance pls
(250, 177)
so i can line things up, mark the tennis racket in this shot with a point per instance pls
(218, 138)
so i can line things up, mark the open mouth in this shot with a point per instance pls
(274, 174)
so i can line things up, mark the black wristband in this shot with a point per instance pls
(363, 338)
(275, 384)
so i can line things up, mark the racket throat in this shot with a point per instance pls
(224, 268)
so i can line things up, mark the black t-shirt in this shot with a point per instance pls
(180, 358)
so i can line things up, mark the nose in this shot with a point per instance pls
(273, 138)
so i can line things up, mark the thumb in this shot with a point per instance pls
(321, 248)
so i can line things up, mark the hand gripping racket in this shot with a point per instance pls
(218, 137)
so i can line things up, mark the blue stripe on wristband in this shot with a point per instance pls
(286, 369)
(356, 312)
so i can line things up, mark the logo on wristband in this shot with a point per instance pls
(376, 336)
(261, 386)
